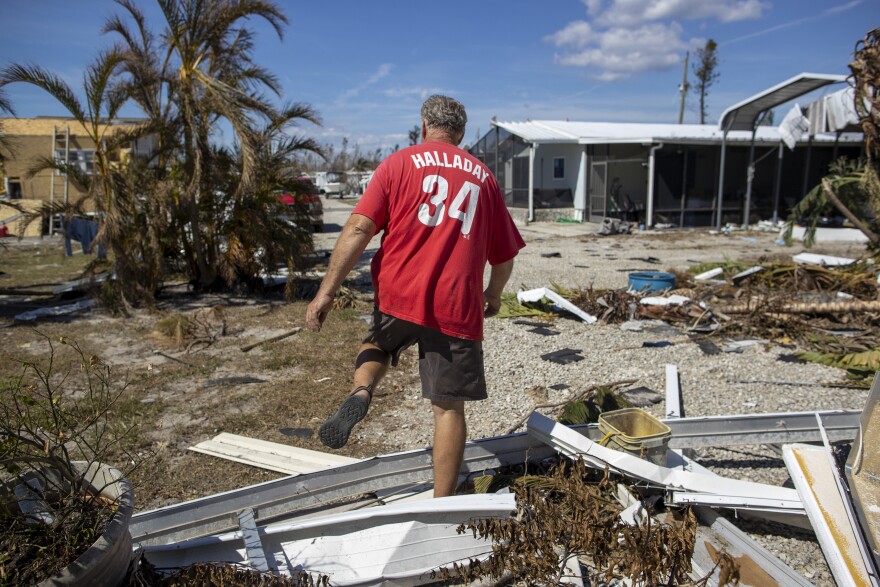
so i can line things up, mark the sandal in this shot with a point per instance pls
(334, 432)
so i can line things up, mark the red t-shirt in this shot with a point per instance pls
(444, 218)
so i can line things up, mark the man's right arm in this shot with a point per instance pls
(356, 234)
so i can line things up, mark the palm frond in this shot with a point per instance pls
(48, 81)
(79, 178)
(101, 95)
(5, 103)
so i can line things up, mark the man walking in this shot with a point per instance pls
(443, 218)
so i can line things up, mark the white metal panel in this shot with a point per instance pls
(735, 493)
(402, 542)
(269, 455)
(810, 470)
(584, 132)
(742, 116)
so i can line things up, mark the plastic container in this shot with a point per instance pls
(635, 431)
(649, 282)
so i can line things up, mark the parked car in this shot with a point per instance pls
(309, 198)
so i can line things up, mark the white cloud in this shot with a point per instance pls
(383, 71)
(593, 6)
(636, 12)
(416, 92)
(575, 34)
(621, 52)
(627, 37)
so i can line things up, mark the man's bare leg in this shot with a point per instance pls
(370, 367)
(450, 434)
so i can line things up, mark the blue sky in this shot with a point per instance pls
(366, 66)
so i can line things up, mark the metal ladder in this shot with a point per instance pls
(59, 182)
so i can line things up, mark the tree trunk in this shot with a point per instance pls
(872, 236)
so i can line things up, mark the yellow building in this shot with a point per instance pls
(64, 139)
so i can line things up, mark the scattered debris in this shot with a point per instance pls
(238, 380)
(64, 310)
(175, 359)
(641, 397)
(564, 356)
(543, 331)
(709, 274)
(823, 260)
(707, 346)
(533, 323)
(205, 326)
(536, 295)
(592, 401)
(739, 277)
(656, 345)
(403, 541)
(282, 336)
(811, 469)
(648, 260)
(685, 487)
(633, 325)
(269, 455)
(612, 226)
(670, 300)
(551, 255)
(573, 513)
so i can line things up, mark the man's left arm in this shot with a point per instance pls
(498, 278)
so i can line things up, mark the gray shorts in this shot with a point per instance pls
(450, 368)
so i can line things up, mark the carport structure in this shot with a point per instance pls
(748, 116)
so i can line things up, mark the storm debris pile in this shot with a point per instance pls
(832, 313)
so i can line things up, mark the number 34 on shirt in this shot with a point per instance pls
(469, 192)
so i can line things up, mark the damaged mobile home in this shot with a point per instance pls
(739, 171)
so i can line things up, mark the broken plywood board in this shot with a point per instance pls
(811, 471)
(269, 455)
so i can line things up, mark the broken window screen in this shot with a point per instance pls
(559, 168)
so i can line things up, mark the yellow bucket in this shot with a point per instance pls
(635, 431)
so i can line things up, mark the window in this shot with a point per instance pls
(82, 158)
(559, 168)
(13, 188)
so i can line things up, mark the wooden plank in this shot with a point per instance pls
(269, 455)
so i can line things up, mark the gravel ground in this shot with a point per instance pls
(753, 381)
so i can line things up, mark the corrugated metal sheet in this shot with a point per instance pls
(587, 133)
(742, 116)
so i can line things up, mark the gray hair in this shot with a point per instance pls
(445, 113)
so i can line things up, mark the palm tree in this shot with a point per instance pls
(216, 78)
(6, 146)
(853, 187)
(110, 192)
(258, 236)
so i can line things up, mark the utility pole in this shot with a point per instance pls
(684, 88)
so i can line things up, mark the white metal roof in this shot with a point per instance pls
(742, 116)
(590, 133)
